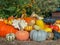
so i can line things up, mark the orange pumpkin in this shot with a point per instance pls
(5, 29)
(28, 28)
(10, 18)
(28, 19)
(22, 35)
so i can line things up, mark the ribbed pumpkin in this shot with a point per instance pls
(29, 28)
(10, 37)
(22, 35)
(39, 35)
(5, 29)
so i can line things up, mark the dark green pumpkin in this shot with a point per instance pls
(56, 35)
(49, 20)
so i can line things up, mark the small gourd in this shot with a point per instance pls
(36, 27)
(48, 29)
(50, 35)
(29, 28)
(22, 35)
(39, 35)
(10, 37)
(15, 23)
(22, 24)
(40, 23)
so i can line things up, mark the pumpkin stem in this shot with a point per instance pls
(23, 14)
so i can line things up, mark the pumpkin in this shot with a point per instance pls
(39, 35)
(48, 29)
(50, 35)
(36, 27)
(49, 20)
(22, 35)
(5, 29)
(28, 28)
(56, 35)
(40, 23)
(10, 37)
(29, 20)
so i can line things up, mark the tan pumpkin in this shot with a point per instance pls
(22, 35)
(50, 36)
(28, 28)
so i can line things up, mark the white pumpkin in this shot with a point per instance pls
(16, 23)
(10, 37)
(22, 24)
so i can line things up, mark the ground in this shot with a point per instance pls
(16, 42)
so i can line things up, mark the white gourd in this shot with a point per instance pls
(16, 23)
(22, 24)
(10, 37)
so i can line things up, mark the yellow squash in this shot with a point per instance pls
(48, 30)
(40, 23)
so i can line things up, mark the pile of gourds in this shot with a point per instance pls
(34, 28)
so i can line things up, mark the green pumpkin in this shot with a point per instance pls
(10, 37)
(39, 35)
